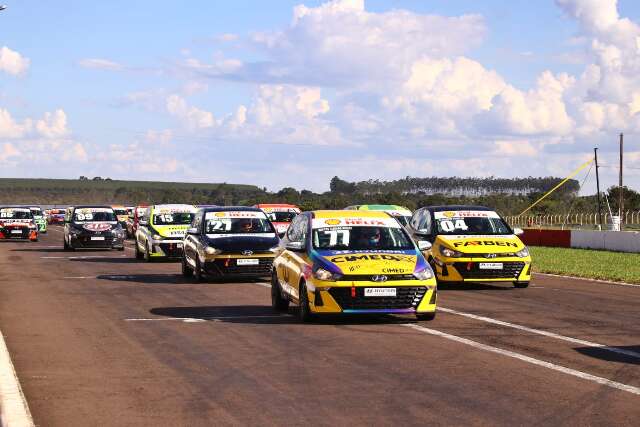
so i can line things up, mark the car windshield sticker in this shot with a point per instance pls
(451, 225)
(11, 212)
(449, 215)
(89, 214)
(354, 222)
(281, 209)
(235, 214)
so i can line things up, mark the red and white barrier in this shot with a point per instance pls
(619, 241)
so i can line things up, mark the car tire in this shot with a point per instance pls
(278, 303)
(187, 271)
(66, 245)
(520, 285)
(198, 274)
(426, 316)
(304, 311)
(138, 253)
(146, 254)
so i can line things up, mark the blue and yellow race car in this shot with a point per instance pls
(351, 262)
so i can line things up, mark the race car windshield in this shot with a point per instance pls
(281, 216)
(175, 218)
(94, 216)
(361, 238)
(15, 214)
(403, 220)
(472, 226)
(121, 211)
(36, 212)
(237, 226)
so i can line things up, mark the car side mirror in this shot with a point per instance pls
(424, 245)
(518, 231)
(295, 246)
(143, 222)
(192, 230)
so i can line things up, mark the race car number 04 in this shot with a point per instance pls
(458, 224)
(379, 292)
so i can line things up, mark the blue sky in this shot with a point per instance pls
(291, 93)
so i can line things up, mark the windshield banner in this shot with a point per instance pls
(235, 215)
(465, 214)
(354, 222)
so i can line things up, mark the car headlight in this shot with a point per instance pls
(523, 253)
(322, 274)
(209, 250)
(450, 253)
(424, 274)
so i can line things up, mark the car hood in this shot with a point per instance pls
(171, 231)
(241, 242)
(370, 262)
(504, 243)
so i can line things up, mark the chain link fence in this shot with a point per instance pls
(578, 221)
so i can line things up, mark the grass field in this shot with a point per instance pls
(604, 265)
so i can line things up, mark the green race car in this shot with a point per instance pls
(39, 219)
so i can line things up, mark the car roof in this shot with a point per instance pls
(90, 206)
(457, 208)
(231, 208)
(382, 208)
(14, 207)
(349, 214)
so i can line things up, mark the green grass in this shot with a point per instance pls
(604, 265)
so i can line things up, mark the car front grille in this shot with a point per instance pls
(472, 270)
(171, 250)
(229, 267)
(376, 277)
(86, 242)
(9, 235)
(407, 297)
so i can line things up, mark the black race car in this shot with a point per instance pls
(92, 227)
(229, 242)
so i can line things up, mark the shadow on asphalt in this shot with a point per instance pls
(265, 315)
(120, 260)
(157, 279)
(474, 287)
(610, 356)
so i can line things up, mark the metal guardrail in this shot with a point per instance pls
(574, 220)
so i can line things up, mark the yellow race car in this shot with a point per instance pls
(471, 244)
(351, 261)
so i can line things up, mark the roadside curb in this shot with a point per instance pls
(608, 282)
(14, 410)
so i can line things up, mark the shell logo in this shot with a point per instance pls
(449, 214)
(332, 221)
(220, 214)
(97, 226)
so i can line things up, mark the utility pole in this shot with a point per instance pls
(621, 195)
(595, 151)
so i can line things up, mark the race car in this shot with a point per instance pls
(38, 218)
(121, 214)
(229, 242)
(351, 262)
(161, 230)
(472, 244)
(280, 215)
(132, 221)
(17, 223)
(92, 227)
(56, 216)
(400, 213)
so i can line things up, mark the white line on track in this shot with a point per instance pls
(14, 410)
(541, 332)
(522, 357)
(607, 282)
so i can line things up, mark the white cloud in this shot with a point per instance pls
(193, 118)
(12, 62)
(101, 64)
(53, 125)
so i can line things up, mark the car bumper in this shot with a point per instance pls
(238, 266)
(483, 269)
(166, 249)
(86, 242)
(25, 234)
(411, 296)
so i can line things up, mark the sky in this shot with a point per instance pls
(291, 93)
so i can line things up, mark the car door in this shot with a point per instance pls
(282, 263)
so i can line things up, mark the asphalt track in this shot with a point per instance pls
(98, 338)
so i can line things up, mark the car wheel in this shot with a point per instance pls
(277, 301)
(138, 253)
(426, 316)
(304, 312)
(67, 247)
(187, 271)
(520, 285)
(198, 275)
(146, 254)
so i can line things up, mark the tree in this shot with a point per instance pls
(340, 186)
(83, 178)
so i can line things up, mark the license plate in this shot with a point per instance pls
(16, 231)
(490, 266)
(248, 261)
(379, 292)
(97, 238)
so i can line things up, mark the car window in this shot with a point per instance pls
(297, 232)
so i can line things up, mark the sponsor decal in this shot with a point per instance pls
(251, 235)
(355, 222)
(465, 214)
(485, 243)
(372, 257)
(235, 214)
(97, 226)
(332, 222)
